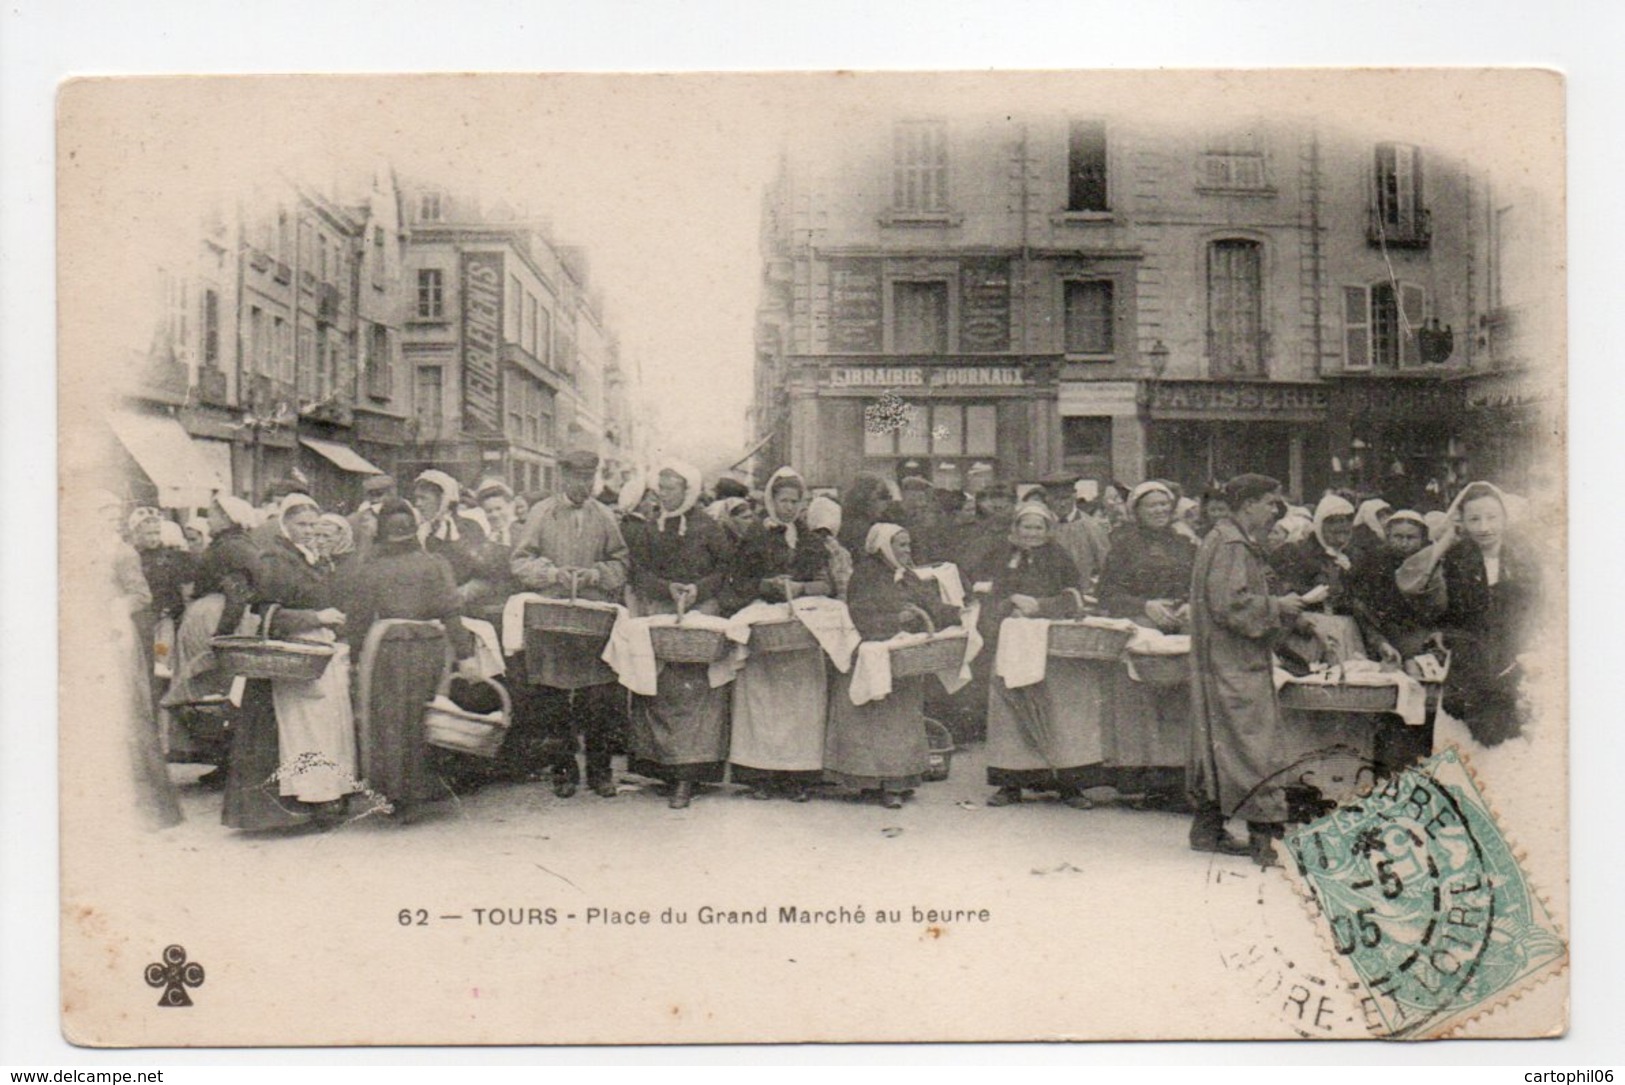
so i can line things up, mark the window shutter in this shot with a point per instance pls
(1356, 328)
(1413, 310)
(1404, 185)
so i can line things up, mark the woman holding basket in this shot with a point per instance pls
(1045, 737)
(880, 747)
(779, 702)
(293, 754)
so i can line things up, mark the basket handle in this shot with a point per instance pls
(930, 626)
(265, 622)
(573, 578)
(444, 689)
(1077, 598)
(790, 589)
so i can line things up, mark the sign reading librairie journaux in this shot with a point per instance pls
(482, 340)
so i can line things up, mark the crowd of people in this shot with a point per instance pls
(421, 597)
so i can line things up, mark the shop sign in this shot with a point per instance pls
(482, 339)
(916, 376)
(1394, 399)
(1217, 398)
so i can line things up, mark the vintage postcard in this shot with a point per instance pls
(626, 559)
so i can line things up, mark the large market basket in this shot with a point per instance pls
(1161, 670)
(940, 745)
(687, 644)
(1338, 697)
(572, 617)
(262, 657)
(453, 728)
(931, 656)
(1076, 640)
(789, 635)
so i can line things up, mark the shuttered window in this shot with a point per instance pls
(1380, 325)
(920, 165)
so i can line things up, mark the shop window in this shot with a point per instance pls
(1089, 317)
(920, 165)
(431, 294)
(1398, 216)
(981, 430)
(1235, 308)
(1380, 325)
(1086, 438)
(938, 429)
(1086, 166)
(920, 317)
(429, 400)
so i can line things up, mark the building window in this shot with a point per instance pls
(544, 335)
(431, 294)
(1089, 317)
(1086, 445)
(429, 209)
(1398, 216)
(283, 345)
(532, 309)
(380, 363)
(1086, 167)
(379, 256)
(428, 400)
(258, 349)
(920, 317)
(1380, 325)
(920, 165)
(321, 258)
(1234, 158)
(284, 237)
(211, 329)
(308, 364)
(1235, 308)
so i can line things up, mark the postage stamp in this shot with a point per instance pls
(1424, 900)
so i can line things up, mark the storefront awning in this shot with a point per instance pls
(343, 457)
(161, 447)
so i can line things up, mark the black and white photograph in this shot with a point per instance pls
(824, 557)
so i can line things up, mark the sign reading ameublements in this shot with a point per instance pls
(916, 376)
(482, 341)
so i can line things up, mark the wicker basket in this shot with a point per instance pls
(466, 732)
(571, 616)
(279, 660)
(928, 657)
(1074, 640)
(785, 636)
(1162, 670)
(1318, 697)
(686, 644)
(940, 744)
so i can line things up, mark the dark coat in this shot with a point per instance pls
(1378, 604)
(231, 567)
(875, 598)
(1235, 622)
(1486, 627)
(1044, 572)
(298, 588)
(401, 580)
(1143, 565)
(698, 554)
(167, 571)
(1305, 565)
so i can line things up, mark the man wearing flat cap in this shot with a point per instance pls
(1078, 533)
(571, 538)
(1239, 742)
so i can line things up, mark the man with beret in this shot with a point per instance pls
(573, 695)
(1238, 744)
(375, 490)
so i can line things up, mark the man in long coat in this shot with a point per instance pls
(574, 694)
(1237, 726)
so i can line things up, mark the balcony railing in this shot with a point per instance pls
(1412, 230)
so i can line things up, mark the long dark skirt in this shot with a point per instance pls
(879, 745)
(401, 666)
(1048, 736)
(252, 799)
(681, 733)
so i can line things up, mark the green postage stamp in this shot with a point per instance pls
(1422, 896)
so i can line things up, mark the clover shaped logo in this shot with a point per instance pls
(174, 974)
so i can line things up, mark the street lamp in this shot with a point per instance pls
(1157, 359)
